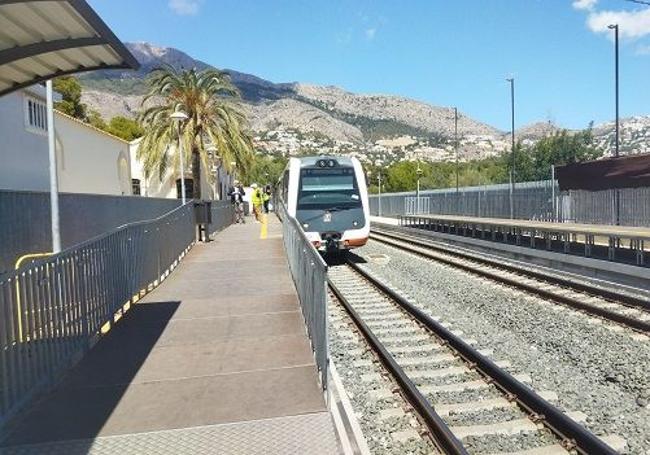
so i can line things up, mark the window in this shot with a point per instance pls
(189, 188)
(328, 188)
(35, 115)
(135, 187)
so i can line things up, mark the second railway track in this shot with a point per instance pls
(469, 403)
(624, 308)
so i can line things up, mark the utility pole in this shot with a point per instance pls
(54, 179)
(615, 28)
(456, 149)
(379, 179)
(617, 196)
(456, 144)
(513, 175)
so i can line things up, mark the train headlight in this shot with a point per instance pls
(305, 225)
(355, 223)
(331, 163)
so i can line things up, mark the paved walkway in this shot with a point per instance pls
(215, 360)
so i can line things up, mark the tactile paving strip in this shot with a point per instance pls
(302, 434)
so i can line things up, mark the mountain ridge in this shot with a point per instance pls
(290, 117)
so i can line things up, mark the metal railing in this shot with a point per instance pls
(541, 201)
(417, 205)
(52, 310)
(309, 272)
(222, 215)
(25, 216)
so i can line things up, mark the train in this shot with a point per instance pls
(328, 196)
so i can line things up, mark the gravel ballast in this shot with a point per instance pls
(594, 366)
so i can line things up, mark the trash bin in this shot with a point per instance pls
(203, 219)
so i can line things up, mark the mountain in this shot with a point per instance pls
(293, 117)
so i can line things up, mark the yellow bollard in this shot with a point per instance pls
(264, 228)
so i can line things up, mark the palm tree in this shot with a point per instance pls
(215, 121)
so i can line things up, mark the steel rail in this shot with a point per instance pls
(643, 326)
(626, 299)
(572, 433)
(439, 430)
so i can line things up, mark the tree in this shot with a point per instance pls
(126, 128)
(266, 169)
(215, 120)
(96, 120)
(70, 91)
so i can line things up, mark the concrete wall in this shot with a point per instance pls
(23, 153)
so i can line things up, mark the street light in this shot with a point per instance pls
(615, 28)
(419, 173)
(512, 170)
(456, 151)
(179, 117)
(379, 185)
(617, 201)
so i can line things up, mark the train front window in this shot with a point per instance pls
(328, 188)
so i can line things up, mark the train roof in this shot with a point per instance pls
(306, 161)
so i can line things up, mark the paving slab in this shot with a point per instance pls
(218, 352)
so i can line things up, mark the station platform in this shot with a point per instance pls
(215, 360)
(611, 242)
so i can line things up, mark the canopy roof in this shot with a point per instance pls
(42, 39)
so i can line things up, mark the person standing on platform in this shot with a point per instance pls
(256, 200)
(266, 198)
(236, 193)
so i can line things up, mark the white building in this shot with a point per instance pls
(89, 160)
(214, 182)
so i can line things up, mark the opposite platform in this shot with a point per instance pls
(215, 360)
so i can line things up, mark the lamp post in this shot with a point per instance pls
(379, 185)
(54, 179)
(615, 28)
(419, 173)
(617, 198)
(179, 117)
(512, 170)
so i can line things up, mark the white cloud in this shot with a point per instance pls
(585, 4)
(185, 7)
(631, 24)
(370, 33)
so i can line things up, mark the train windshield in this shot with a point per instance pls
(328, 188)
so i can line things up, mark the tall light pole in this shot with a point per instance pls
(456, 144)
(54, 178)
(615, 28)
(512, 170)
(379, 184)
(179, 117)
(419, 173)
(617, 200)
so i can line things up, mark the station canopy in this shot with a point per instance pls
(41, 39)
(624, 172)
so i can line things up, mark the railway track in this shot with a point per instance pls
(468, 403)
(624, 308)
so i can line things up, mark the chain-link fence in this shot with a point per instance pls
(540, 201)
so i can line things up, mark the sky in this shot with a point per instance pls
(444, 52)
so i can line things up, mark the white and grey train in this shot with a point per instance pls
(329, 198)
